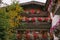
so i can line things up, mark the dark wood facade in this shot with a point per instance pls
(42, 13)
(57, 11)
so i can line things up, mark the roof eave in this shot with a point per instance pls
(32, 2)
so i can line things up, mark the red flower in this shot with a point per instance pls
(27, 36)
(32, 11)
(35, 35)
(26, 19)
(46, 19)
(33, 19)
(39, 19)
(27, 31)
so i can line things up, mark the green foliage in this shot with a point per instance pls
(9, 20)
(3, 23)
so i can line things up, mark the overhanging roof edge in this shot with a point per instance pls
(33, 2)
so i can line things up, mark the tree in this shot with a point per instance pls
(9, 20)
(3, 22)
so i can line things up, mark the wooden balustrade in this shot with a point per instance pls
(39, 25)
(42, 14)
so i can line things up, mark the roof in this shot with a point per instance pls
(33, 2)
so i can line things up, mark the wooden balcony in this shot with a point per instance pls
(42, 14)
(39, 25)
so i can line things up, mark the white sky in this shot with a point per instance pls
(22, 1)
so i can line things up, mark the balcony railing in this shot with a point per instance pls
(34, 25)
(36, 19)
(42, 14)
